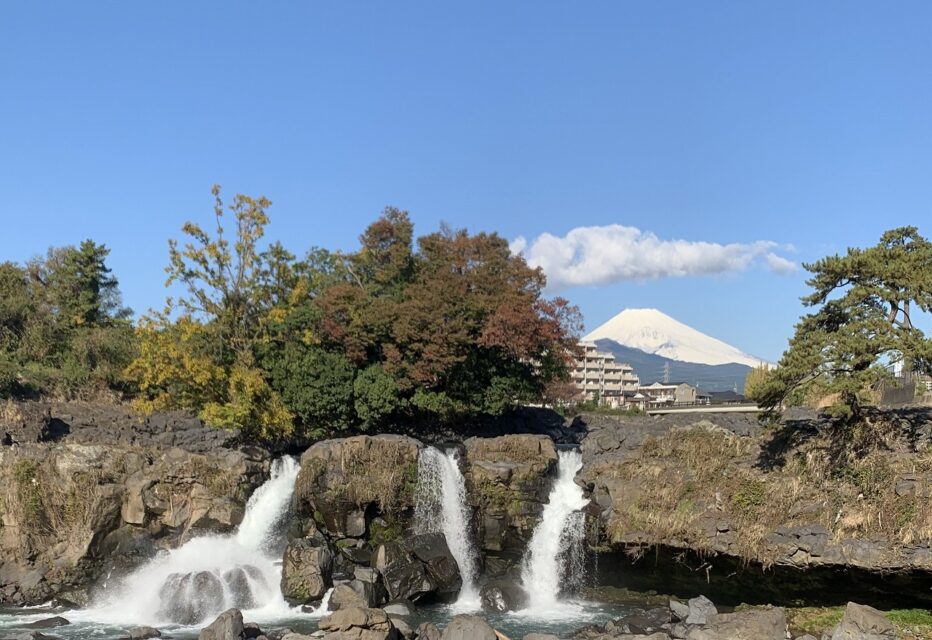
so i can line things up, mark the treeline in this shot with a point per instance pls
(437, 329)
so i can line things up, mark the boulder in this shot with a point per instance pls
(406, 579)
(502, 595)
(306, 571)
(400, 608)
(345, 597)
(644, 621)
(237, 584)
(188, 598)
(227, 626)
(143, 633)
(679, 609)
(700, 609)
(432, 550)
(358, 623)
(756, 624)
(251, 630)
(468, 627)
(404, 629)
(427, 631)
(48, 623)
(861, 622)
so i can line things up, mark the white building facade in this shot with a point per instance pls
(598, 376)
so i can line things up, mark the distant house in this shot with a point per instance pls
(659, 394)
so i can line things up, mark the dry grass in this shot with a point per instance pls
(47, 509)
(365, 473)
(683, 485)
(11, 413)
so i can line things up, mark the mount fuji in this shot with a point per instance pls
(654, 343)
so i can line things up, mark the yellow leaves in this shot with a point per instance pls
(176, 369)
(251, 406)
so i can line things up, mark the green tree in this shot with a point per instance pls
(862, 322)
(755, 382)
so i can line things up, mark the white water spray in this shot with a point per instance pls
(553, 552)
(442, 508)
(209, 574)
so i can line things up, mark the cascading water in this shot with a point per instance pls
(211, 573)
(442, 508)
(554, 553)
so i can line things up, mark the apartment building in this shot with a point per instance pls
(597, 375)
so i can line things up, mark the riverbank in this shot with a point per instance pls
(796, 514)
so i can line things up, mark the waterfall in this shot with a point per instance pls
(554, 556)
(441, 507)
(211, 573)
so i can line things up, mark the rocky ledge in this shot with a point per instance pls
(94, 490)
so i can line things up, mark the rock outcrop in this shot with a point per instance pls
(99, 489)
(509, 479)
(806, 499)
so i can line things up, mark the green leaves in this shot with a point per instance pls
(863, 323)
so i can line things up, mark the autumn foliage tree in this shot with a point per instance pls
(435, 329)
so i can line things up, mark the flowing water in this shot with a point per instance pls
(182, 590)
(442, 508)
(553, 561)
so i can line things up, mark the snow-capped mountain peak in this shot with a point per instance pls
(653, 331)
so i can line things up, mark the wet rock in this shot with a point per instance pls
(467, 627)
(432, 550)
(700, 609)
(306, 571)
(143, 633)
(358, 623)
(540, 636)
(406, 579)
(48, 623)
(861, 622)
(251, 630)
(502, 595)
(757, 624)
(400, 608)
(190, 598)
(227, 626)
(237, 584)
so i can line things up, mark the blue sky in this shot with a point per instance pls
(804, 125)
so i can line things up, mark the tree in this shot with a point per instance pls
(863, 322)
(205, 360)
(755, 382)
(223, 280)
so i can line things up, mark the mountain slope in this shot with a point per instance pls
(650, 368)
(654, 332)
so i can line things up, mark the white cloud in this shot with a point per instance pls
(615, 253)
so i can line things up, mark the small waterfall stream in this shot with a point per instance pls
(441, 507)
(553, 560)
(211, 573)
